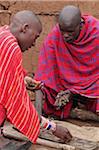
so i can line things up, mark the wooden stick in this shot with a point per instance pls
(55, 145)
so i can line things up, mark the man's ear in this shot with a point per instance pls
(24, 28)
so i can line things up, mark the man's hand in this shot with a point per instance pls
(32, 84)
(62, 99)
(62, 133)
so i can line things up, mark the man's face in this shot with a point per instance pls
(28, 38)
(70, 34)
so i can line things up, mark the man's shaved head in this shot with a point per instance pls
(25, 17)
(26, 27)
(69, 23)
(70, 16)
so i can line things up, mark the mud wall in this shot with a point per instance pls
(47, 11)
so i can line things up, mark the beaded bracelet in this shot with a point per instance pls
(47, 125)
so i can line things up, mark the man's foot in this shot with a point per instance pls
(83, 115)
(79, 114)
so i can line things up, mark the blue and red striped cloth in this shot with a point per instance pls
(74, 67)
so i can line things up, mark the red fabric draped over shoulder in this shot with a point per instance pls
(74, 67)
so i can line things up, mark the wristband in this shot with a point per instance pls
(48, 125)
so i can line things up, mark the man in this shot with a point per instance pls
(18, 37)
(69, 62)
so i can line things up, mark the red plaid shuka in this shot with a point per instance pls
(74, 67)
(13, 95)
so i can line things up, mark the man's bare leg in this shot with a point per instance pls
(38, 101)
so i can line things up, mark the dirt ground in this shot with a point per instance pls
(39, 147)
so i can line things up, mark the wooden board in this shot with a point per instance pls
(10, 132)
(75, 144)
